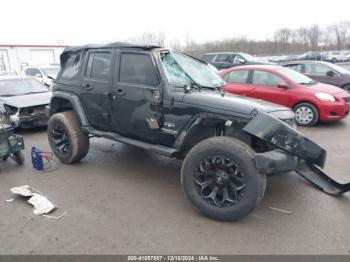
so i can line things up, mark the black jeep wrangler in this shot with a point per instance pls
(170, 103)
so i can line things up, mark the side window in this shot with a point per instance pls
(137, 69)
(222, 58)
(314, 69)
(71, 66)
(99, 66)
(36, 71)
(296, 67)
(29, 72)
(263, 78)
(238, 76)
(208, 58)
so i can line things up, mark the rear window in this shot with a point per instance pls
(70, 67)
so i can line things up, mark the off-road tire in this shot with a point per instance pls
(239, 153)
(18, 157)
(311, 107)
(78, 140)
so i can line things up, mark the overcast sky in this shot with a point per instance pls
(100, 21)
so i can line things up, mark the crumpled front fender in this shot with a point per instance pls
(284, 137)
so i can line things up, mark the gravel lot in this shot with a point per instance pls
(123, 200)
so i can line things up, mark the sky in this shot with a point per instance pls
(80, 22)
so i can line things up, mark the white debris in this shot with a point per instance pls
(281, 210)
(59, 217)
(41, 204)
(9, 200)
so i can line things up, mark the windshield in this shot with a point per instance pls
(248, 57)
(14, 87)
(295, 76)
(51, 71)
(339, 69)
(184, 70)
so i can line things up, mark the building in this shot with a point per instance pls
(16, 57)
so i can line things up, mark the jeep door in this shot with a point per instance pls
(136, 96)
(97, 82)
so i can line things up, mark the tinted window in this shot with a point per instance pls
(36, 72)
(99, 65)
(137, 69)
(263, 78)
(315, 69)
(207, 58)
(29, 72)
(295, 67)
(71, 65)
(238, 76)
(221, 58)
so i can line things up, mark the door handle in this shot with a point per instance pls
(87, 87)
(120, 92)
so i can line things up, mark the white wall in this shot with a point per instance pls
(18, 56)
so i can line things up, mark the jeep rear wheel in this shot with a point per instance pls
(68, 142)
(219, 177)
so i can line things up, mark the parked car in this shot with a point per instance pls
(24, 99)
(311, 55)
(229, 59)
(169, 103)
(335, 56)
(311, 101)
(324, 72)
(44, 74)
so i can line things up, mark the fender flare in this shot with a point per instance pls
(180, 142)
(76, 104)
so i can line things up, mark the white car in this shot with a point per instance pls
(336, 56)
(45, 74)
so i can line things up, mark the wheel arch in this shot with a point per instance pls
(207, 126)
(307, 102)
(62, 101)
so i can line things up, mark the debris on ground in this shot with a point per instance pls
(58, 217)
(9, 200)
(41, 204)
(281, 210)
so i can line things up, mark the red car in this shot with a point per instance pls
(311, 101)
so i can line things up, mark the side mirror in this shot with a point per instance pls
(241, 60)
(38, 75)
(282, 85)
(330, 73)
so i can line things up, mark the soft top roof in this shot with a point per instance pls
(111, 45)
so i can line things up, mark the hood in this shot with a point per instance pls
(234, 103)
(22, 101)
(321, 87)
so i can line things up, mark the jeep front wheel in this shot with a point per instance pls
(68, 142)
(219, 177)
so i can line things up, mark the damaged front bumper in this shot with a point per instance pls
(29, 121)
(292, 152)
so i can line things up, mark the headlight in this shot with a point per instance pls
(325, 97)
